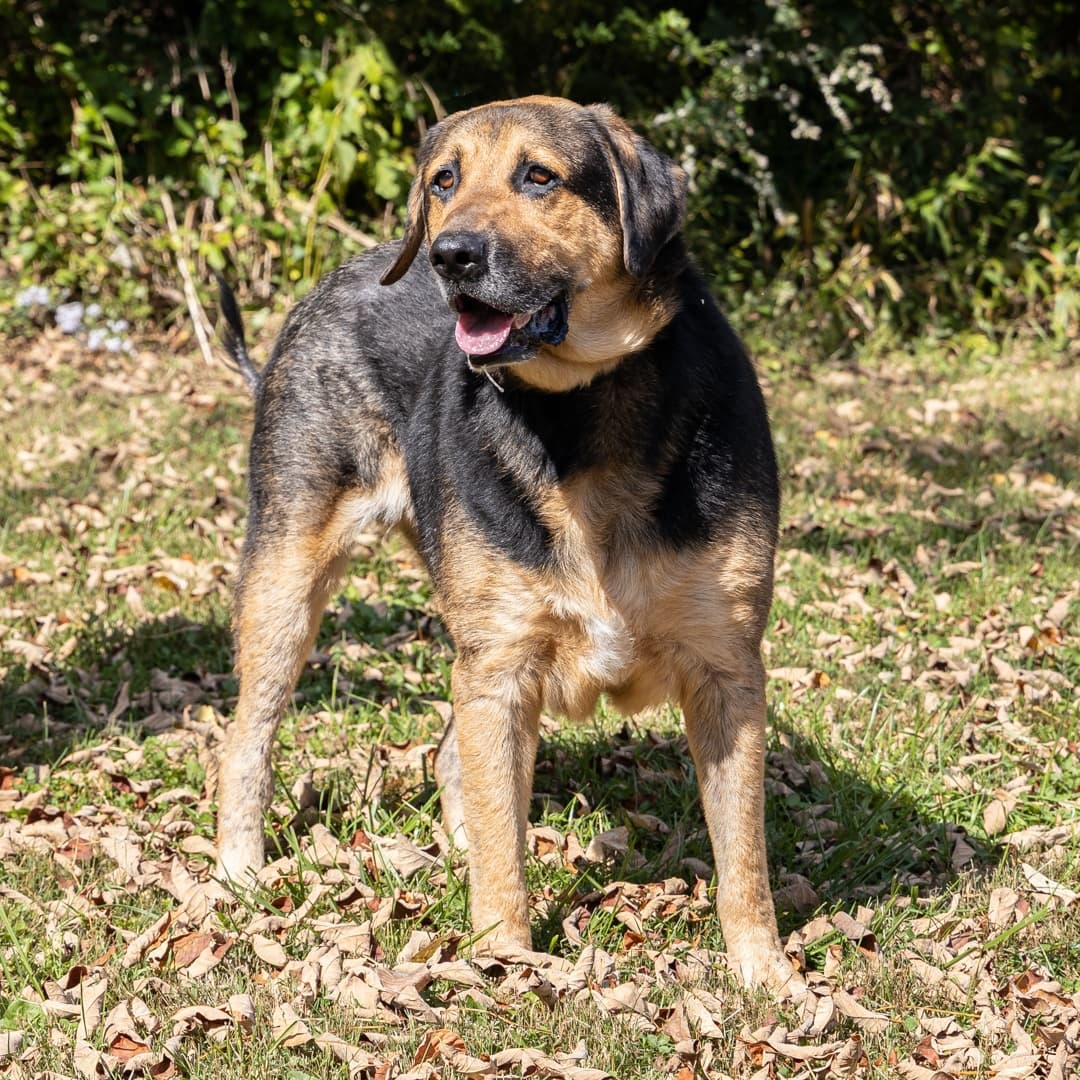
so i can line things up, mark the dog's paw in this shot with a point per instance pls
(769, 968)
(238, 863)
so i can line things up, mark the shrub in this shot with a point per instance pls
(855, 167)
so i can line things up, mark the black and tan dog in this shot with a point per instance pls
(537, 387)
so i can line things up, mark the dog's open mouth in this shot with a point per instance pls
(484, 331)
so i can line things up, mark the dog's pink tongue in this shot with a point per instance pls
(482, 333)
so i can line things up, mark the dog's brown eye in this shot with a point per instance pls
(540, 176)
(443, 180)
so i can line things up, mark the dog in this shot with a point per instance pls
(537, 388)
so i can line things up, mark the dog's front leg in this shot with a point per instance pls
(725, 725)
(497, 721)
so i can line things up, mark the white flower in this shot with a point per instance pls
(32, 295)
(96, 338)
(69, 317)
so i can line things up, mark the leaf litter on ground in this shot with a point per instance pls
(121, 956)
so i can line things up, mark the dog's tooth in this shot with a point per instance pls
(521, 320)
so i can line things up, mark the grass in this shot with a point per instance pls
(923, 748)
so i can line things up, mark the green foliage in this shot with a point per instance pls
(856, 167)
(259, 142)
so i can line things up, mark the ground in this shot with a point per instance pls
(923, 773)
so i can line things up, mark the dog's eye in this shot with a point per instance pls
(538, 175)
(443, 180)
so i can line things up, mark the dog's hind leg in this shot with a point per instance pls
(284, 586)
(300, 537)
(448, 777)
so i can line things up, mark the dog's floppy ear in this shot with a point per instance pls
(651, 190)
(416, 215)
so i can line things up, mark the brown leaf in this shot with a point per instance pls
(700, 1011)
(213, 1022)
(211, 955)
(153, 935)
(242, 1009)
(849, 1059)
(1048, 887)
(834, 960)
(77, 849)
(409, 999)
(436, 1042)
(11, 1043)
(819, 1014)
(287, 1027)
(995, 817)
(607, 845)
(269, 951)
(92, 994)
(89, 1063)
(1002, 908)
(188, 946)
(676, 1026)
(909, 1070)
(355, 1056)
(124, 1047)
(856, 933)
(404, 856)
(796, 894)
(871, 1022)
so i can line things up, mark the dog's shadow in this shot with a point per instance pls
(851, 838)
(116, 680)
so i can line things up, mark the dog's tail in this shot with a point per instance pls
(233, 337)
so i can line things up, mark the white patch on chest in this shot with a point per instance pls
(598, 643)
(611, 649)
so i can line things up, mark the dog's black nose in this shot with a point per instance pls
(459, 256)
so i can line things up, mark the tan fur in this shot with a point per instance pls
(644, 630)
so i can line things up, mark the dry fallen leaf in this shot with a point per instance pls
(287, 1027)
(11, 1043)
(242, 1009)
(873, 1023)
(268, 950)
(435, 1042)
(1048, 887)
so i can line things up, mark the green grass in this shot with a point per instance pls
(923, 640)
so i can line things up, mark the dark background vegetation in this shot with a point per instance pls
(859, 167)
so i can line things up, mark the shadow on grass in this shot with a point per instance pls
(133, 679)
(852, 840)
(117, 679)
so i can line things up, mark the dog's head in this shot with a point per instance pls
(543, 220)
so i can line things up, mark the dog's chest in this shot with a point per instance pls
(598, 601)
(601, 642)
